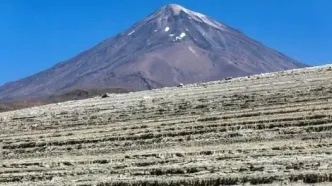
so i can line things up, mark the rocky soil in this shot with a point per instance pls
(265, 129)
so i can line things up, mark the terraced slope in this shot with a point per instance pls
(266, 129)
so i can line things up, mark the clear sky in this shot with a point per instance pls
(36, 34)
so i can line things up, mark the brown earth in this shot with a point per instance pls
(272, 129)
(70, 95)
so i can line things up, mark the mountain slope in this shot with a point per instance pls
(247, 131)
(170, 46)
(66, 96)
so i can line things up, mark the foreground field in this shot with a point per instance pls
(266, 129)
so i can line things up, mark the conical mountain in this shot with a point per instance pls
(172, 45)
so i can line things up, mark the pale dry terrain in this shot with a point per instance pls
(266, 129)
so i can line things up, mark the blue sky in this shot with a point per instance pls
(36, 34)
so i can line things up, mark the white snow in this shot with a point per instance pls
(166, 29)
(171, 35)
(155, 30)
(198, 17)
(210, 22)
(178, 38)
(193, 51)
(131, 32)
(182, 35)
(176, 8)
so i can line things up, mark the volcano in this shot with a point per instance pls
(170, 46)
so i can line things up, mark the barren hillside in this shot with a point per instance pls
(265, 129)
(170, 46)
(70, 95)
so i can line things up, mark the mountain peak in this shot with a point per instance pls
(175, 8)
(170, 46)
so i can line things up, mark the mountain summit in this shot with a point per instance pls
(172, 45)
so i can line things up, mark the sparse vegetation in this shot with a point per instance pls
(266, 129)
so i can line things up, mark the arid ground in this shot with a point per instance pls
(267, 129)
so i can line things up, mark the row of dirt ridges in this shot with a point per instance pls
(265, 129)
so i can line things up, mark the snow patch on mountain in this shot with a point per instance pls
(196, 16)
(178, 38)
(131, 32)
(192, 51)
(175, 8)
